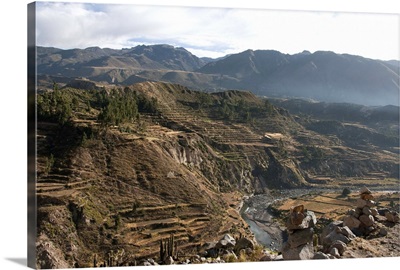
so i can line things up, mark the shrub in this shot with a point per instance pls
(346, 192)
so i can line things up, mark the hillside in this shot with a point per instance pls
(322, 75)
(120, 169)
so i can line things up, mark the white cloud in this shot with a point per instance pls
(216, 31)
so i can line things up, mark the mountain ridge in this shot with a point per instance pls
(322, 75)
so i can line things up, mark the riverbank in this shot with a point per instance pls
(261, 212)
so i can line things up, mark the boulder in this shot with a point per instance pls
(392, 216)
(210, 245)
(367, 220)
(331, 227)
(229, 238)
(266, 258)
(301, 237)
(334, 236)
(369, 229)
(365, 190)
(243, 243)
(334, 252)
(296, 215)
(374, 212)
(308, 221)
(358, 212)
(304, 252)
(320, 255)
(226, 242)
(169, 261)
(146, 263)
(383, 232)
(340, 246)
(366, 196)
(360, 203)
(152, 261)
(351, 222)
(346, 232)
(367, 211)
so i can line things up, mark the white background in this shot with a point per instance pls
(13, 140)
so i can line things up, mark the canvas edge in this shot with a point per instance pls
(31, 103)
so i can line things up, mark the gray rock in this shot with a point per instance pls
(331, 227)
(392, 216)
(169, 261)
(340, 246)
(351, 222)
(266, 258)
(146, 263)
(334, 236)
(374, 212)
(358, 212)
(308, 221)
(320, 256)
(367, 220)
(365, 190)
(346, 232)
(304, 252)
(224, 244)
(278, 258)
(210, 245)
(367, 211)
(368, 230)
(243, 243)
(383, 232)
(300, 237)
(361, 203)
(334, 252)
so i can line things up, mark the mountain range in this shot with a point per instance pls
(322, 75)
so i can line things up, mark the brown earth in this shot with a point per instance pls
(116, 191)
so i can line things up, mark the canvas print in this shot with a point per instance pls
(164, 135)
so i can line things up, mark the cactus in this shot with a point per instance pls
(95, 260)
(168, 248)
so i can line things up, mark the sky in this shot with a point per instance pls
(215, 32)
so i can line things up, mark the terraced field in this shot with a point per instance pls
(182, 170)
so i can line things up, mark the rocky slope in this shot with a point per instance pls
(119, 170)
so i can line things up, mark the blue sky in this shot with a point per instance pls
(215, 32)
